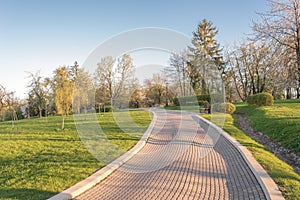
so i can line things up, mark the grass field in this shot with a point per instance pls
(280, 121)
(286, 178)
(38, 160)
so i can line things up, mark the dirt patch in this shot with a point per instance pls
(273, 146)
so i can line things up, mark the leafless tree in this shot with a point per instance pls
(280, 24)
(254, 69)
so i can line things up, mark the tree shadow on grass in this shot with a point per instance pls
(24, 193)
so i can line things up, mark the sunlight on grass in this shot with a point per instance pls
(38, 160)
(286, 178)
(280, 121)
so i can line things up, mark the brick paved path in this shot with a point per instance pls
(181, 161)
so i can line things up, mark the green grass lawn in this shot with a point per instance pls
(38, 160)
(286, 178)
(280, 121)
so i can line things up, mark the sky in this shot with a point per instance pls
(42, 35)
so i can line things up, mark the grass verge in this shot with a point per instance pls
(38, 160)
(280, 121)
(285, 177)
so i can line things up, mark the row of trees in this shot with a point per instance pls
(267, 61)
(9, 105)
(73, 90)
(54, 95)
(270, 59)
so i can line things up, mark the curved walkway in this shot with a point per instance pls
(181, 160)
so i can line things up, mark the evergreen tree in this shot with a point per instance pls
(205, 48)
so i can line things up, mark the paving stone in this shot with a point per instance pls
(181, 161)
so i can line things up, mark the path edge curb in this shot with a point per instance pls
(104, 172)
(266, 182)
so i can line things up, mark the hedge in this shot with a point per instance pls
(105, 109)
(261, 99)
(200, 99)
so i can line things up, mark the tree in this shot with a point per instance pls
(3, 94)
(63, 92)
(83, 91)
(281, 25)
(205, 46)
(104, 79)
(37, 93)
(178, 71)
(12, 104)
(155, 89)
(254, 69)
(114, 82)
(124, 77)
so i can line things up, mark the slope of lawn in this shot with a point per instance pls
(38, 160)
(280, 121)
(286, 178)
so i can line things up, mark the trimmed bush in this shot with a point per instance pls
(261, 99)
(230, 108)
(265, 99)
(106, 109)
(251, 100)
(192, 100)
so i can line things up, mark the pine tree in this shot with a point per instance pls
(205, 47)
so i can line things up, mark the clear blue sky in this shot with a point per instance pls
(45, 34)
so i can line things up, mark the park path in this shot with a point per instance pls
(181, 161)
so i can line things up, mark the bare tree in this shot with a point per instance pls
(178, 71)
(114, 81)
(253, 69)
(37, 92)
(281, 25)
(12, 104)
(83, 91)
(103, 79)
(155, 88)
(3, 94)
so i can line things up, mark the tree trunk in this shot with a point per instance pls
(203, 86)
(288, 93)
(40, 112)
(63, 122)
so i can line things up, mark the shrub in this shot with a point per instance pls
(106, 109)
(251, 100)
(265, 99)
(201, 103)
(192, 100)
(261, 99)
(176, 101)
(230, 108)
